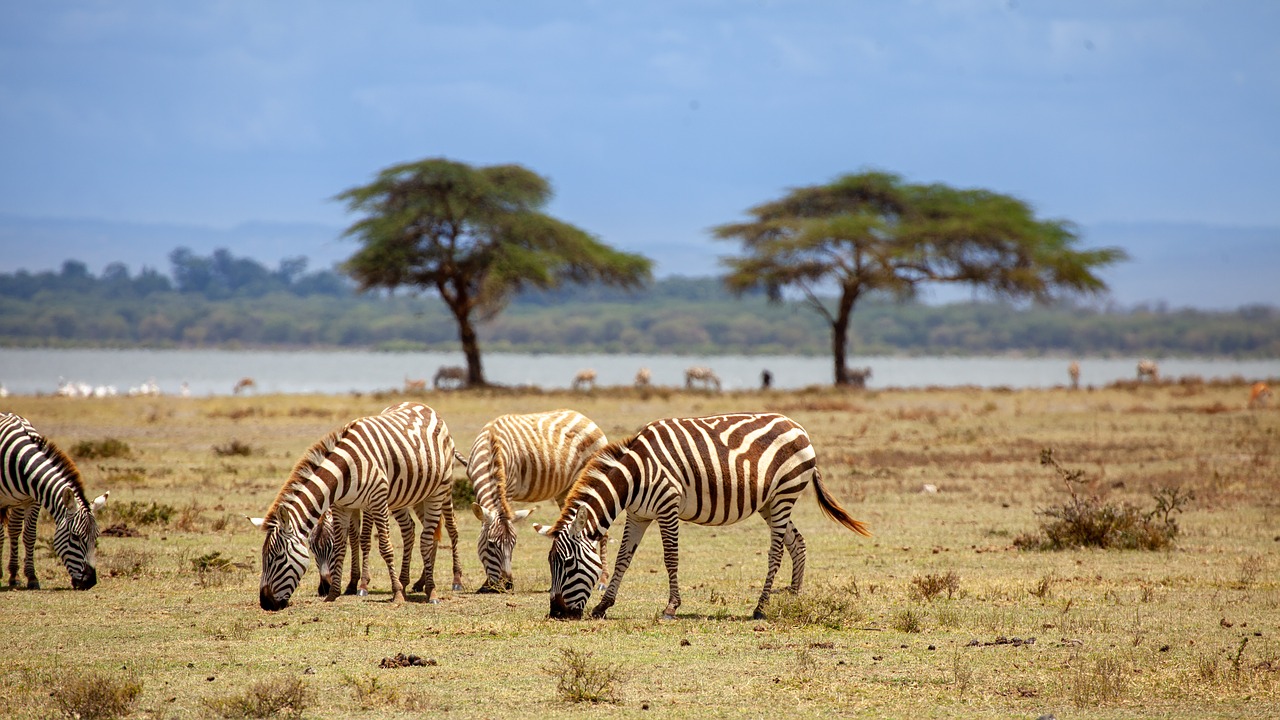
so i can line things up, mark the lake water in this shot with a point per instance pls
(215, 372)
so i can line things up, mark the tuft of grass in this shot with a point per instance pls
(908, 621)
(233, 448)
(369, 692)
(579, 678)
(1101, 682)
(101, 449)
(927, 587)
(1086, 520)
(284, 697)
(831, 606)
(91, 695)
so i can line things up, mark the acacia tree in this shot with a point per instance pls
(475, 235)
(872, 232)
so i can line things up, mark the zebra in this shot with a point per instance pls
(35, 474)
(359, 536)
(399, 458)
(711, 470)
(702, 375)
(526, 458)
(584, 380)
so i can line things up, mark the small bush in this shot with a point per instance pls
(581, 679)
(138, 513)
(928, 587)
(463, 495)
(1085, 520)
(830, 606)
(91, 695)
(286, 697)
(1102, 682)
(908, 621)
(233, 448)
(99, 449)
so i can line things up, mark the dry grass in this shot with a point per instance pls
(920, 620)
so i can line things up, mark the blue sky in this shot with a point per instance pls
(653, 120)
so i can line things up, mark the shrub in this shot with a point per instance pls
(831, 606)
(98, 449)
(463, 494)
(928, 587)
(233, 447)
(279, 697)
(1086, 520)
(908, 621)
(581, 679)
(138, 513)
(91, 695)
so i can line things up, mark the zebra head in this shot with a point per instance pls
(284, 559)
(322, 547)
(75, 538)
(496, 546)
(575, 567)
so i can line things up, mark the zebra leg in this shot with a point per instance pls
(776, 534)
(382, 521)
(355, 537)
(669, 526)
(29, 540)
(451, 526)
(794, 543)
(13, 525)
(366, 536)
(604, 566)
(342, 523)
(404, 518)
(631, 536)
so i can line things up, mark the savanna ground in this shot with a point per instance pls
(937, 615)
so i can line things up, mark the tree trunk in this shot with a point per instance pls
(840, 333)
(470, 347)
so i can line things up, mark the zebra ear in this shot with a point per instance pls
(522, 514)
(257, 522)
(69, 498)
(579, 524)
(544, 530)
(99, 501)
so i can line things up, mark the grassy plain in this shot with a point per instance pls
(1191, 632)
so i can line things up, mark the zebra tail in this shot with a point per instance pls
(458, 456)
(832, 508)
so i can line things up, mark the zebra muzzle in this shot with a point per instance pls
(85, 581)
(267, 599)
(561, 611)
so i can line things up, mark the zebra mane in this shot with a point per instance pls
(306, 467)
(499, 466)
(62, 462)
(599, 463)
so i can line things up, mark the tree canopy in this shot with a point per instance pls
(873, 232)
(477, 236)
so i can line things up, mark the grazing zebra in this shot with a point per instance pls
(1259, 395)
(702, 375)
(584, 380)
(1073, 371)
(1148, 370)
(399, 458)
(643, 378)
(526, 458)
(451, 375)
(35, 474)
(711, 471)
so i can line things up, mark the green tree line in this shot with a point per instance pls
(225, 301)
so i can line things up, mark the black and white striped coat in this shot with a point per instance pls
(399, 458)
(523, 458)
(712, 470)
(35, 474)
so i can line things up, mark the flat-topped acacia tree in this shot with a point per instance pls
(872, 232)
(477, 236)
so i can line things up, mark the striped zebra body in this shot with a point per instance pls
(711, 471)
(35, 474)
(524, 458)
(400, 458)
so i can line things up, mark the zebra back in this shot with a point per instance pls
(530, 457)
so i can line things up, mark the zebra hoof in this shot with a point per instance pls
(419, 586)
(601, 586)
(457, 587)
(757, 615)
(434, 601)
(362, 592)
(668, 616)
(33, 584)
